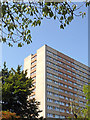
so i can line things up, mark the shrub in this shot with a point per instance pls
(6, 115)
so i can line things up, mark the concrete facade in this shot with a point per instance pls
(41, 79)
(58, 80)
(27, 65)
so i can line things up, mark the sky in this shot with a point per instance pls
(72, 41)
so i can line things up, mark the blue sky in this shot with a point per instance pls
(72, 41)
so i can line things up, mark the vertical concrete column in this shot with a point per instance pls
(41, 79)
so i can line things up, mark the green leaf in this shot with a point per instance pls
(26, 26)
(17, 18)
(28, 31)
(4, 39)
(19, 44)
(28, 42)
(39, 22)
(59, 12)
(84, 13)
(61, 18)
(64, 25)
(5, 25)
(70, 18)
(20, 15)
(74, 7)
(68, 22)
(61, 26)
(54, 17)
(10, 45)
(30, 21)
(51, 14)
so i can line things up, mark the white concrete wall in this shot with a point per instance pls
(27, 65)
(41, 80)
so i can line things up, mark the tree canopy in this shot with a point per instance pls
(15, 91)
(86, 90)
(19, 17)
(77, 110)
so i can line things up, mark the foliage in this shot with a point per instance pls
(4, 73)
(31, 111)
(86, 90)
(19, 17)
(15, 91)
(6, 115)
(77, 110)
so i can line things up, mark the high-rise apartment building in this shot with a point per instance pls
(58, 79)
